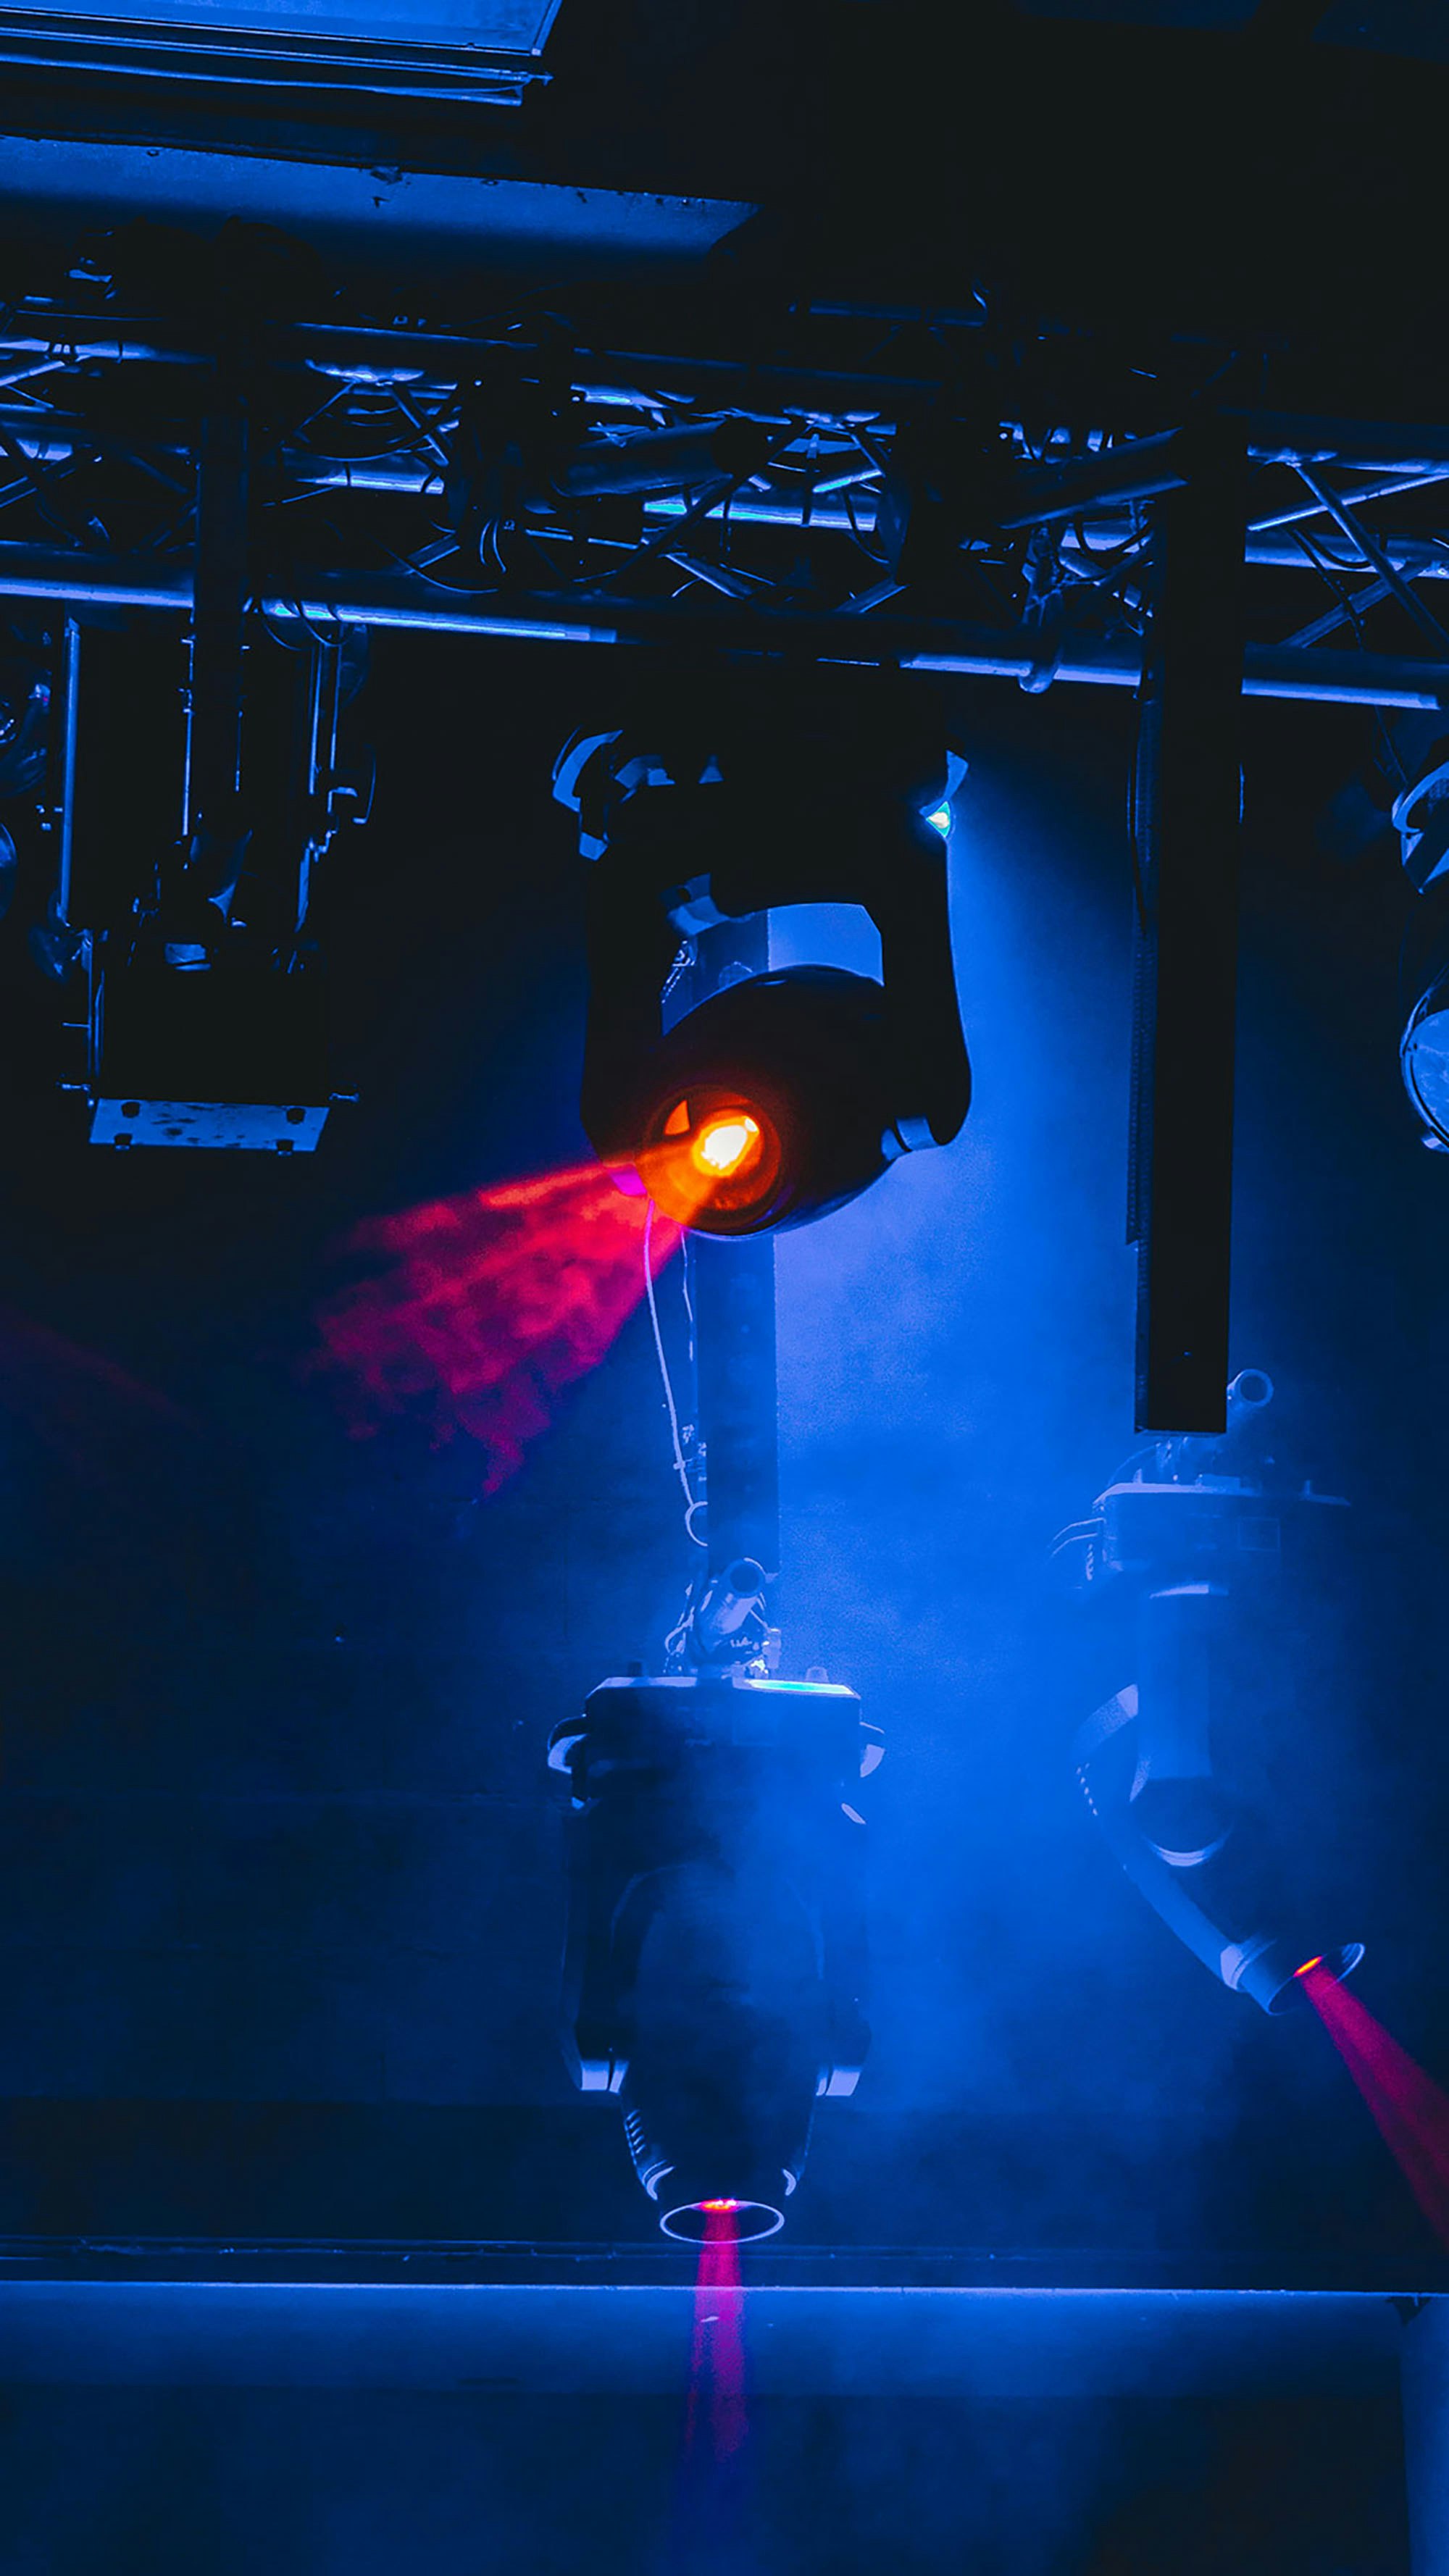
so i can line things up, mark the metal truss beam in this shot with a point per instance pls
(941, 646)
(473, 483)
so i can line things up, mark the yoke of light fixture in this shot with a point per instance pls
(780, 1095)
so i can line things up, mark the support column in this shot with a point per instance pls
(732, 1289)
(220, 595)
(1187, 811)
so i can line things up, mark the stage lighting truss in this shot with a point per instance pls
(781, 1095)
(833, 499)
(929, 495)
(1187, 1531)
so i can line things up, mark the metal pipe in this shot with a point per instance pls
(378, 355)
(664, 460)
(1374, 554)
(1384, 489)
(1346, 614)
(1419, 558)
(69, 737)
(1141, 469)
(1312, 676)
(1315, 676)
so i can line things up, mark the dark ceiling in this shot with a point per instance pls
(1234, 174)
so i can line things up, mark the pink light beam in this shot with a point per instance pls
(480, 1310)
(1409, 2108)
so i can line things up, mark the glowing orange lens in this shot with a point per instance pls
(719, 2204)
(1307, 1964)
(726, 1145)
(710, 1160)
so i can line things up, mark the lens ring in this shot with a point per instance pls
(754, 2220)
(678, 1179)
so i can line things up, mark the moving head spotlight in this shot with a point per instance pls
(1187, 1530)
(200, 948)
(1404, 789)
(786, 1093)
(1421, 818)
(715, 1963)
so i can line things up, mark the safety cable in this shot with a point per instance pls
(691, 1506)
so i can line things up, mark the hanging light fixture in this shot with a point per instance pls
(790, 1091)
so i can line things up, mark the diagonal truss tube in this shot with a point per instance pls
(942, 647)
(1374, 554)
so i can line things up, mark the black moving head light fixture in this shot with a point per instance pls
(787, 1092)
(1420, 816)
(1403, 792)
(1193, 1536)
(715, 1966)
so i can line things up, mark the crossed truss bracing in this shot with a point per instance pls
(479, 484)
(1147, 529)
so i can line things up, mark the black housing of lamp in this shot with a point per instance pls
(1421, 818)
(703, 823)
(715, 1965)
(1188, 1536)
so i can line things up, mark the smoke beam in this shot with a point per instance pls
(480, 1310)
(716, 2418)
(1411, 2112)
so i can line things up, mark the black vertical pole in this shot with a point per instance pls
(219, 602)
(732, 1289)
(1187, 828)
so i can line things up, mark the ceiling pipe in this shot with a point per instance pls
(941, 647)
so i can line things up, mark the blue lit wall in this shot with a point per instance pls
(956, 1386)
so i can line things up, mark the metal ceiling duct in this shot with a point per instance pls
(487, 50)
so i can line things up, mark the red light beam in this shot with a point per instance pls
(1408, 2107)
(481, 1309)
(716, 2411)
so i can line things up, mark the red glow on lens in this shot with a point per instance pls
(480, 1310)
(715, 2420)
(713, 1157)
(1410, 2110)
(1307, 1964)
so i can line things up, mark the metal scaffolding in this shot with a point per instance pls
(523, 483)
